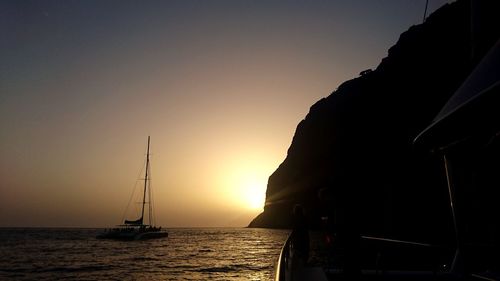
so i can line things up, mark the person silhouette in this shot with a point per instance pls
(300, 234)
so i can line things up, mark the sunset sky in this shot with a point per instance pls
(220, 87)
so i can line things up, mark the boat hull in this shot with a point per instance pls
(151, 235)
(129, 235)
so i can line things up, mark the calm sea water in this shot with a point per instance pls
(187, 254)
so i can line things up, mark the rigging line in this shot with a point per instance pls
(151, 203)
(149, 194)
(152, 219)
(132, 194)
(425, 10)
(151, 215)
(145, 181)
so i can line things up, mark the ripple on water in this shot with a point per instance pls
(187, 254)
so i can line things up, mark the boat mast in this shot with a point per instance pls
(145, 182)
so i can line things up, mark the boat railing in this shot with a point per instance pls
(385, 254)
(377, 257)
(283, 261)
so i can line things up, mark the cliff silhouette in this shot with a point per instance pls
(353, 153)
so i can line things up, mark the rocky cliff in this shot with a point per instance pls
(352, 158)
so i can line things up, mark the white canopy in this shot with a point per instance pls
(474, 106)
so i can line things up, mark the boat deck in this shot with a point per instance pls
(133, 233)
(378, 259)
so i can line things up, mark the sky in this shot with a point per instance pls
(220, 87)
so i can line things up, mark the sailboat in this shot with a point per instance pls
(137, 229)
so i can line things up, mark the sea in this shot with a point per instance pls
(187, 254)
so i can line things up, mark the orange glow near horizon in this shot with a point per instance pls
(255, 194)
(249, 188)
(242, 178)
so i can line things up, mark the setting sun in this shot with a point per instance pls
(243, 178)
(255, 194)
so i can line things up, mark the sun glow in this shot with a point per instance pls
(243, 176)
(255, 194)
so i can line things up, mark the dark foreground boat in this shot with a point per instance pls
(465, 136)
(136, 229)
